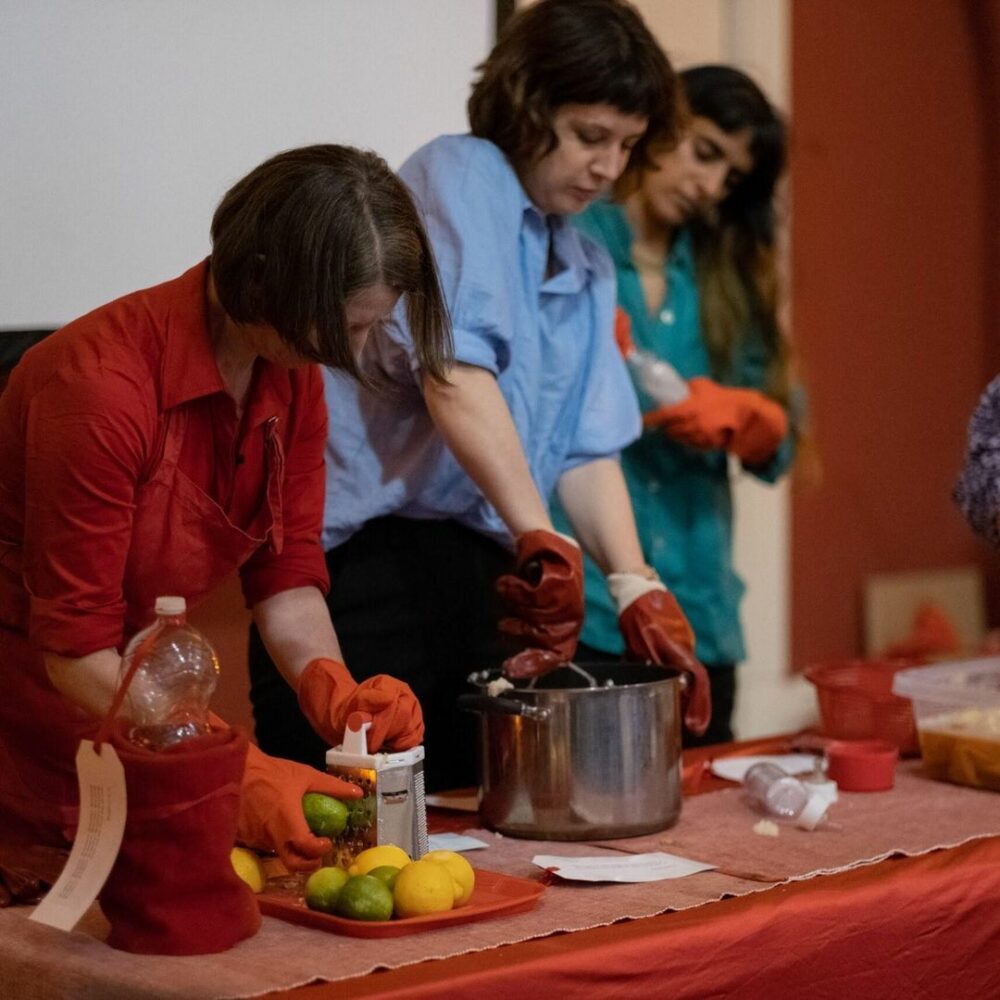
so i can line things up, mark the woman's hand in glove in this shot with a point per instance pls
(655, 629)
(328, 694)
(544, 596)
(271, 816)
(744, 422)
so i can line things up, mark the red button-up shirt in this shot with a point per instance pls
(81, 422)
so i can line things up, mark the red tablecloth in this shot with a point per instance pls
(922, 928)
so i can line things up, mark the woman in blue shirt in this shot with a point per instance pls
(428, 490)
(693, 247)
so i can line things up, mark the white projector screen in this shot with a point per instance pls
(124, 121)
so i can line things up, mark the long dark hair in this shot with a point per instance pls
(737, 272)
(309, 227)
(558, 52)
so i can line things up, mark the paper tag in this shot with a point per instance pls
(98, 837)
(453, 842)
(650, 867)
(733, 768)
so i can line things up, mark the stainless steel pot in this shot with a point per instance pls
(580, 754)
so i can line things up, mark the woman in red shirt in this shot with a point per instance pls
(176, 434)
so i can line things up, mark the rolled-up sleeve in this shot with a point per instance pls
(86, 444)
(300, 561)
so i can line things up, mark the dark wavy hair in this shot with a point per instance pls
(736, 252)
(558, 52)
(303, 231)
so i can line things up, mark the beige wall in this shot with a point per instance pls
(691, 31)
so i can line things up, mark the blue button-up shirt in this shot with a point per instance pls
(547, 339)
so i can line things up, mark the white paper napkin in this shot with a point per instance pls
(650, 867)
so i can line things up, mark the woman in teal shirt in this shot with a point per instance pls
(693, 248)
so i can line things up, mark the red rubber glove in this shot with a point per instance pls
(655, 629)
(328, 694)
(544, 595)
(271, 816)
(623, 332)
(744, 422)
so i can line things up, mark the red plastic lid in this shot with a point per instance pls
(862, 765)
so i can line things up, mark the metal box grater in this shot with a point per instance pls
(392, 809)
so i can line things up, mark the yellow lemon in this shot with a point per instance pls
(459, 869)
(423, 887)
(375, 857)
(247, 865)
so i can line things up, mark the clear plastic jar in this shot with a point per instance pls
(780, 794)
(167, 699)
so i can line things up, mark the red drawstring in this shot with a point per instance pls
(116, 703)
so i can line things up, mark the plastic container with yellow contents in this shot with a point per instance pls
(957, 708)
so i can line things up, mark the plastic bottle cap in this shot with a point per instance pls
(170, 606)
(827, 788)
(813, 811)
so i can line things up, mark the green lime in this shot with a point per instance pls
(323, 887)
(365, 898)
(386, 874)
(361, 813)
(326, 816)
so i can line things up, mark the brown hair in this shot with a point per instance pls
(309, 227)
(736, 251)
(558, 52)
(738, 274)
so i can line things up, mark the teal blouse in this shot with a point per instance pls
(681, 495)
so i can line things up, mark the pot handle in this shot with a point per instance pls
(503, 706)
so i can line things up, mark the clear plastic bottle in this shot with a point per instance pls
(781, 794)
(168, 696)
(657, 378)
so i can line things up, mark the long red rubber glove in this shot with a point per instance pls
(328, 694)
(744, 422)
(271, 816)
(655, 629)
(544, 598)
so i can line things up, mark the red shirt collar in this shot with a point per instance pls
(189, 366)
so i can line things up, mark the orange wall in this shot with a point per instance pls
(224, 622)
(892, 199)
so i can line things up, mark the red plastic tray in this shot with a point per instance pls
(493, 895)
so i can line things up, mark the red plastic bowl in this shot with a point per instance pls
(862, 765)
(856, 702)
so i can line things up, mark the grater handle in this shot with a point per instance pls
(356, 734)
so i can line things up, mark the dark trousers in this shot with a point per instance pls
(722, 677)
(413, 599)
